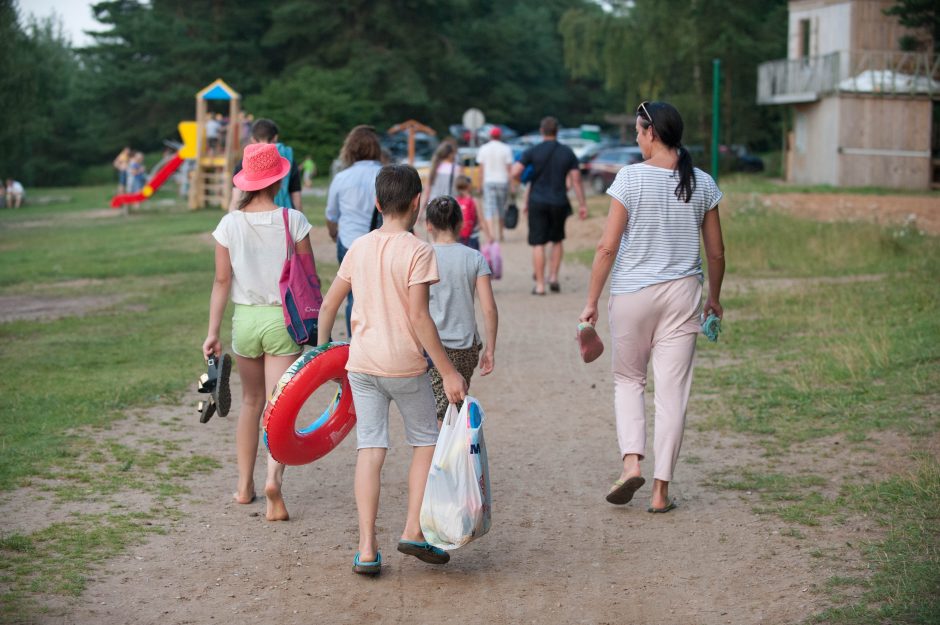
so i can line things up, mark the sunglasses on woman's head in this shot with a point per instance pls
(646, 112)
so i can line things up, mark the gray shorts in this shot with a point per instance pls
(372, 396)
(495, 195)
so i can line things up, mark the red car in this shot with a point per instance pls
(601, 170)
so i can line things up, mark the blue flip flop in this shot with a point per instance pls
(424, 551)
(368, 568)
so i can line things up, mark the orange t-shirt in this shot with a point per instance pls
(380, 267)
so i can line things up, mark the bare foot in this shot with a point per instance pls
(245, 496)
(631, 467)
(276, 510)
(660, 498)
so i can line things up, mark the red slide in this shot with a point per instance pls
(152, 185)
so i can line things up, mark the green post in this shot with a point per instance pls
(716, 84)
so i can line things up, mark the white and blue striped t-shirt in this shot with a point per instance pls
(661, 241)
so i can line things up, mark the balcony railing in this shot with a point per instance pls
(789, 81)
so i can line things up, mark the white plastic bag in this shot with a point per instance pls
(456, 506)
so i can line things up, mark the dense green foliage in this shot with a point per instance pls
(663, 50)
(319, 67)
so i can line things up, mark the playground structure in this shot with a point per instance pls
(210, 182)
(187, 132)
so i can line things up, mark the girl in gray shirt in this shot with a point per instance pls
(464, 273)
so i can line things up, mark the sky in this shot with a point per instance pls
(75, 16)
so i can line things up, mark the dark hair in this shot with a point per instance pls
(667, 125)
(247, 196)
(396, 187)
(549, 126)
(444, 213)
(443, 151)
(462, 183)
(264, 130)
(361, 144)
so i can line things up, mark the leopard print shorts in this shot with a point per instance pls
(465, 361)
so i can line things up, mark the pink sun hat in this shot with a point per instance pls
(262, 166)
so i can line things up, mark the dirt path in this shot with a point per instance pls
(557, 553)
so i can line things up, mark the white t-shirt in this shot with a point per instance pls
(496, 157)
(258, 249)
(661, 241)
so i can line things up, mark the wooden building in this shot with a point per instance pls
(863, 109)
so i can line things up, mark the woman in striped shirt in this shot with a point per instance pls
(650, 250)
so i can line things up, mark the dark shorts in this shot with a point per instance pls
(547, 223)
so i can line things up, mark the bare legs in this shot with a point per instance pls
(496, 228)
(538, 266)
(251, 373)
(554, 263)
(258, 377)
(367, 486)
(555, 256)
(367, 489)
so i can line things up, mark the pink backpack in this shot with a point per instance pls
(300, 292)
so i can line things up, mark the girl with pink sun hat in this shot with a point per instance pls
(249, 256)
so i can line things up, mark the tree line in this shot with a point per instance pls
(319, 67)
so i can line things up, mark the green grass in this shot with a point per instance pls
(769, 183)
(812, 346)
(905, 584)
(65, 380)
(56, 560)
(152, 272)
(831, 330)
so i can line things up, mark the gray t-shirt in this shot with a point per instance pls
(451, 302)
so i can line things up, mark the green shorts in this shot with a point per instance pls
(260, 330)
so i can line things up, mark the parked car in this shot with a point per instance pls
(737, 158)
(601, 170)
(397, 145)
(462, 134)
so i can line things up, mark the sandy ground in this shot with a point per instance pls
(557, 552)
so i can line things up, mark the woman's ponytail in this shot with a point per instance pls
(666, 121)
(686, 174)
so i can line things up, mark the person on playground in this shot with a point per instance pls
(655, 292)
(464, 273)
(249, 256)
(120, 163)
(288, 196)
(495, 160)
(390, 271)
(350, 202)
(547, 205)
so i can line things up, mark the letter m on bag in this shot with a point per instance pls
(474, 449)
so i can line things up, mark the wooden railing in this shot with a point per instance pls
(867, 71)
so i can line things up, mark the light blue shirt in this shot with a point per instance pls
(351, 200)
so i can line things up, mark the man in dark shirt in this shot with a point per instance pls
(266, 131)
(548, 206)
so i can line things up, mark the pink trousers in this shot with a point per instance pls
(656, 325)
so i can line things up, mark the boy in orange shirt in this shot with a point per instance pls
(390, 272)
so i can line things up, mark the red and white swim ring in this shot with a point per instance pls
(313, 369)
